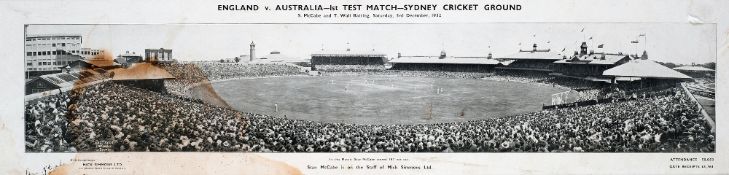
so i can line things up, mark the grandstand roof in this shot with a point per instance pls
(644, 69)
(447, 60)
(507, 62)
(141, 71)
(101, 62)
(275, 55)
(52, 35)
(534, 55)
(348, 53)
(594, 59)
(58, 80)
(64, 79)
(694, 69)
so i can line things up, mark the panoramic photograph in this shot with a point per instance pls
(371, 88)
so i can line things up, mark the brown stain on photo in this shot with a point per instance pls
(205, 91)
(180, 163)
(200, 86)
(169, 162)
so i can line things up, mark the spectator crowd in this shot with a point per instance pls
(189, 74)
(139, 120)
(659, 124)
(218, 71)
(112, 117)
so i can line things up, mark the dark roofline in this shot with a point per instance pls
(418, 56)
(451, 63)
(519, 68)
(42, 80)
(421, 56)
(51, 35)
(347, 55)
(538, 50)
(157, 49)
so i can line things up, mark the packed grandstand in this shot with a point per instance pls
(626, 118)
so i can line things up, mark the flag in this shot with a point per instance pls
(634, 41)
(642, 34)
(590, 38)
(599, 46)
(534, 35)
(549, 41)
(563, 49)
(583, 29)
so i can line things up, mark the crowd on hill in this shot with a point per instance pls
(187, 74)
(217, 71)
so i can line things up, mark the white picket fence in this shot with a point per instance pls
(701, 108)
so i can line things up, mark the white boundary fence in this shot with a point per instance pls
(701, 108)
(560, 98)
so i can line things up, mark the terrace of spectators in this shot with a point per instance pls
(663, 120)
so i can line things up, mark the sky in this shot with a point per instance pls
(665, 42)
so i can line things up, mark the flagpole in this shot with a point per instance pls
(645, 44)
(25, 40)
(645, 40)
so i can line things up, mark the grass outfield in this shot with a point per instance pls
(383, 99)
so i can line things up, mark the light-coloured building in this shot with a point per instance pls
(278, 57)
(128, 58)
(88, 53)
(443, 62)
(49, 53)
(158, 55)
(252, 52)
(535, 60)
